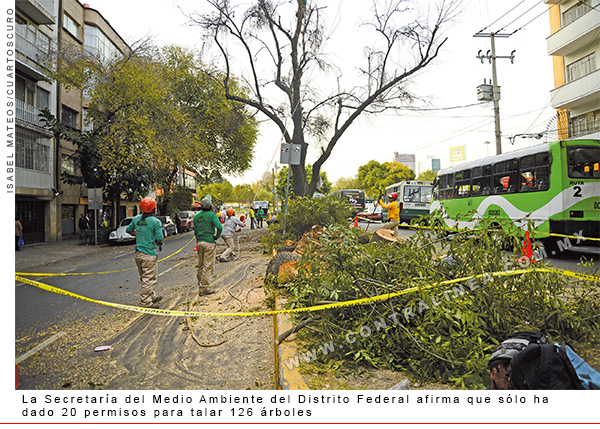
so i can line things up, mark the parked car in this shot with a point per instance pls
(169, 228)
(120, 235)
(370, 215)
(187, 220)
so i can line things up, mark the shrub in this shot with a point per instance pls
(305, 212)
(436, 333)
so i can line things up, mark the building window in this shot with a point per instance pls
(575, 12)
(98, 44)
(32, 151)
(581, 67)
(42, 98)
(71, 26)
(585, 124)
(25, 90)
(69, 117)
(30, 40)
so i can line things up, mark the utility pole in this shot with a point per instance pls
(491, 56)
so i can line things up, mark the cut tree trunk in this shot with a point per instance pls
(385, 236)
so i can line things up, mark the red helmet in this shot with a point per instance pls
(147, 205)
(230, 212)
(393, 195)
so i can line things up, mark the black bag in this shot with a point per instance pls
(543, 367)
(526, 361)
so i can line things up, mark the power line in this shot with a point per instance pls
(489, 25)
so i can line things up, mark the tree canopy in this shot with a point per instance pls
(280, 48)
(374, 177)
(323, 184)
(152, 111)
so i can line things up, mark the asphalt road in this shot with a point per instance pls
(56, 335)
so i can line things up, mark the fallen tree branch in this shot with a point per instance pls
(295, 329)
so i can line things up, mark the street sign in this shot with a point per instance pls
(290, 154)
(94, 198)
(435, 165)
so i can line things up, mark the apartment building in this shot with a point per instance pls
(574, 44)
(35, 149)
(50, 208)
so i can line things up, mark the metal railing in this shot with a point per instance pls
(28, 113)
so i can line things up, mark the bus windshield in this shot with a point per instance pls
(583, 161)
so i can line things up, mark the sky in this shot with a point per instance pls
(449, 83)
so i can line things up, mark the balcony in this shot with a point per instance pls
(579, 34)
(27, 113)
(577, 93)
(41, 11)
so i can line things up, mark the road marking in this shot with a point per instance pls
(124, 254)
(173, 267)
(39, 347)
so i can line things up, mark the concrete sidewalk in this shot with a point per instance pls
(41, 254)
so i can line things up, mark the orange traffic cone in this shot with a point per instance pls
(527, 248)
(355, 222)
(17, 384)
(196, 248)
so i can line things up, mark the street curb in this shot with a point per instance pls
(285, 378)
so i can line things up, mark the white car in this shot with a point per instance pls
(120, 235)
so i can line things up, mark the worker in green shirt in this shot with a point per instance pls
(207, 229)
(148, 234)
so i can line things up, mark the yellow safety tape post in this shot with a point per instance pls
(350, 303)
(101, 272)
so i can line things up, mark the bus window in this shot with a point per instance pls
(482, 181)
(462, 183)
(412, 194)
(535, 172)
(426, 194)
(505, 177)
(583, 162)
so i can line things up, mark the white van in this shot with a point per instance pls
(257, 204)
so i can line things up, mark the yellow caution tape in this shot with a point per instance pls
(350, 303)
(101, 272)
(549, 234)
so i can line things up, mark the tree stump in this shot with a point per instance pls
(288, 271)
(385, 236)
(279, 259)
(364, 239)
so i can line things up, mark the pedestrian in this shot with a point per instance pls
(393, 213)
(260, 214)
(272, 219)
(231, 225)
(178, 223)
(147, 230)
(18, 234)
(252, 218)
(207, 229)
(83, 222)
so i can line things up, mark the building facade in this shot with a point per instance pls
(574, 44)
(36, 185)
(48, 207)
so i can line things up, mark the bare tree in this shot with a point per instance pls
(281, 44)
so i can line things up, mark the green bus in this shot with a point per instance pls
(414, 199)
(553, 187)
